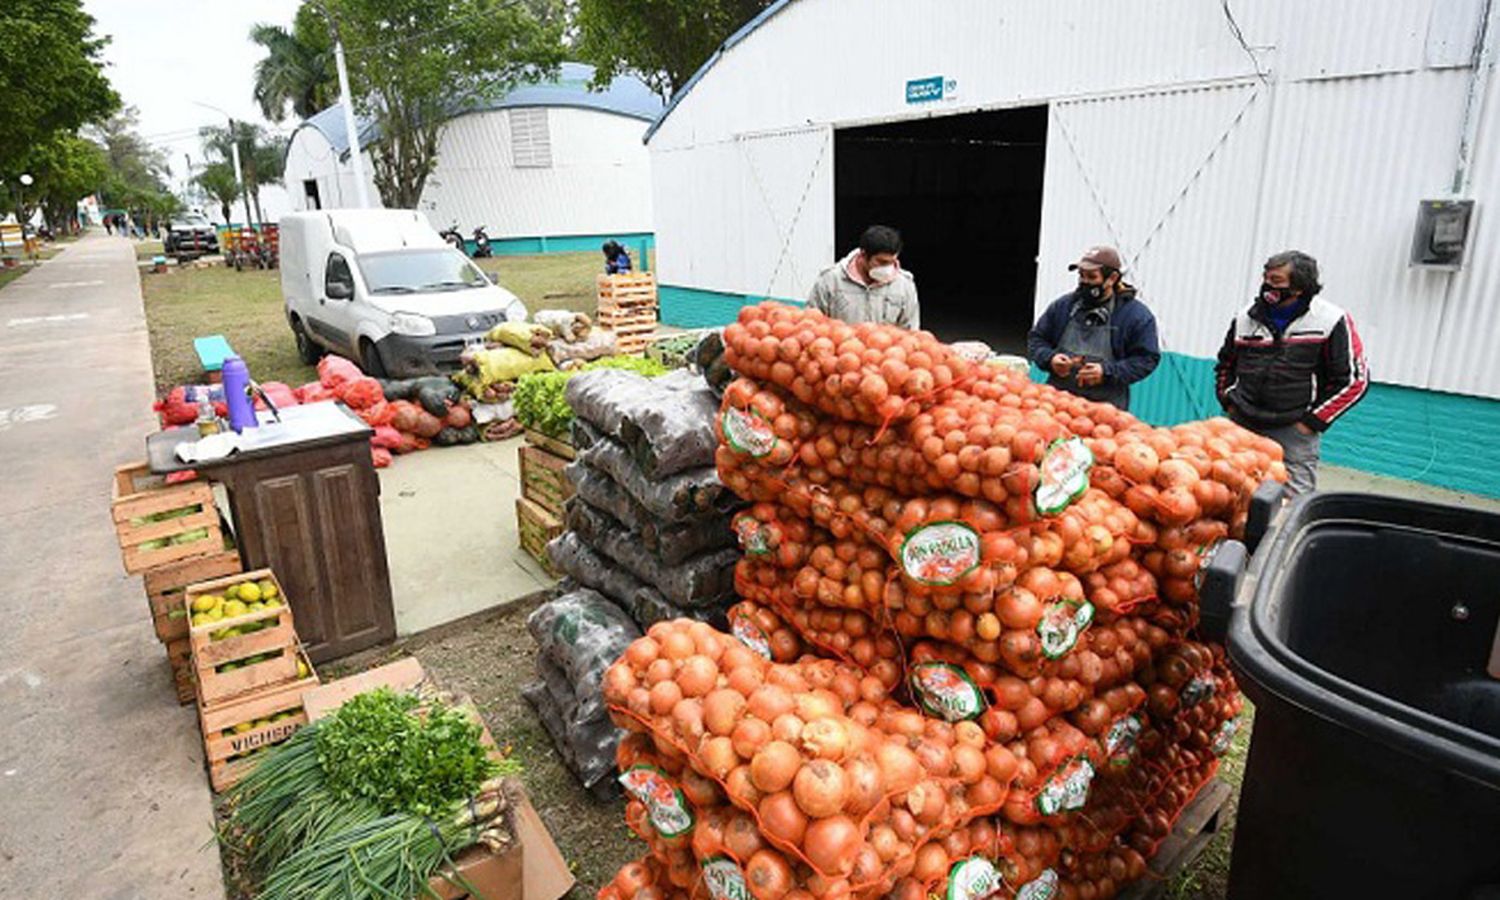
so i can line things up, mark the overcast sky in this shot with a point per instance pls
(164, 55)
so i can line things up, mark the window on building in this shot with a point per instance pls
(530, 139)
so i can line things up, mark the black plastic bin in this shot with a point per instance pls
(1374, 767)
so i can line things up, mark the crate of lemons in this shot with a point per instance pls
(238, 600)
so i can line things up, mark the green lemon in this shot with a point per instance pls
(249, 592)
(268, 588)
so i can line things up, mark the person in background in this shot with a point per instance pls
(109, 225)
(1099, 339)
(1291, 364)
(616, 260)
(869, 285)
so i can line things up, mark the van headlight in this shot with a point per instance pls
(412, 325)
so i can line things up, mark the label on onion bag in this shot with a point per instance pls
(1205, 557)
(1042, 887)
(946, 691)
(747, 432)
(940, 554)
(1064, 475)
(1121, 740)
(1063, 623)
(750, 634)
(1224, 737)
(1067, 789)
(754, 535)
(974, 878)
(665, 804)
(1199, 688)
(724, 879)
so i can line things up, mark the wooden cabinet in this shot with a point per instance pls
(308, 508)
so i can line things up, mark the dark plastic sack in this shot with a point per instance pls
(587, 748)
(647, 607)
(699, 581)
(452, 437)
(685, 495)
(435, 394)
(582, 633)
(579, 562)
(666, 423)
(399, 390)
(671, 542)
(708, 359)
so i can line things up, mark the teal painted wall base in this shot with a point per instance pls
(638, 244)
(1448, 440)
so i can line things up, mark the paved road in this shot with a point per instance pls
(102, 790)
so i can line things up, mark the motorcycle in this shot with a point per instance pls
(481, 243)
(451, 235)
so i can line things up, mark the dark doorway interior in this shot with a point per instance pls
(965, 191)
(310, 190)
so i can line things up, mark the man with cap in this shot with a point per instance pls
(1099, 339)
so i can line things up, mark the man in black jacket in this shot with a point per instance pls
(1291, 364)
(1100, 339)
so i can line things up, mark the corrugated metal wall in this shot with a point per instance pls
(599, 181)
(310, 157)
(1164, 137)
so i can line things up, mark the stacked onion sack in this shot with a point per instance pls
(964, 659)
(648, 525)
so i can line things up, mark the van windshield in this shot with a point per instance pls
(419, 272)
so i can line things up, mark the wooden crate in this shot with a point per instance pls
(180, 660)
(230, 756)
(555, 446)
(628, 291)
(165, 586)
(543, 481)
(537, 527)
(276, 637)
(138, 495)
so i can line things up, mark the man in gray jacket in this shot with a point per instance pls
(869, 284)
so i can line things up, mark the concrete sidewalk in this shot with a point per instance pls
(102, 788)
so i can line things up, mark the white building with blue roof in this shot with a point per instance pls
(547, 167)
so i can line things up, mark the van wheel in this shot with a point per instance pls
(369, 359)
(307, 349)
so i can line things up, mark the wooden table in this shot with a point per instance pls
(305, 503)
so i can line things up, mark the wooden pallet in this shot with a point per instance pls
(537, 527)
(1195, 827)
(555, 446)
(138, 495)
(230, 756)
(635, 343)
(626, 291)
(543, 481)
(165, 586)
(276, 636)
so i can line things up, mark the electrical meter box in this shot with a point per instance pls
(1442, 234)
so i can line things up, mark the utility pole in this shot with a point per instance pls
(234, 153)
(347, 102)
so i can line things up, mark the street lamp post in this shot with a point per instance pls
(234, 152)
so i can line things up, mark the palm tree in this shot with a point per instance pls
(297, 69)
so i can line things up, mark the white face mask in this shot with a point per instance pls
(883, 274)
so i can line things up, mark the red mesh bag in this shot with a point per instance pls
(335, 370)
(360, 393)
(314, 392)
(386, 438)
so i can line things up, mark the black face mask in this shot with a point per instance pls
(1090, 294)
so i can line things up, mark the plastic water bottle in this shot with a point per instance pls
(237, 394)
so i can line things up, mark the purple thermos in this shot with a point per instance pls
(237, 394)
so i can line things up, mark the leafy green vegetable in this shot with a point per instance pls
(381, 748)
(539, 400)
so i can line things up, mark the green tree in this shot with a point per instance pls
(663, 42)
(413, 63)
(298, 69)
(261, 156)
(51, 75)
(217, 178)
(138, 172)
(67, 168)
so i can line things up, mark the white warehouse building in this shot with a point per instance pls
(1004, 138)
(547, 167)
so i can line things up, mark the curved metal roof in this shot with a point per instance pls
(626, 95)
(729, 42)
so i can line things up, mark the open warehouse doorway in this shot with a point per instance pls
(965, 191)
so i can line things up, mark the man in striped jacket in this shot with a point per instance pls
(1291, 364)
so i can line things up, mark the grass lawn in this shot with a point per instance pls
(9, 275)
(148, 249)
(549, 281)
(245, 307)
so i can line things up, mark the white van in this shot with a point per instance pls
(382, 288)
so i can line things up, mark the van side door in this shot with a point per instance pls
(332, 316)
